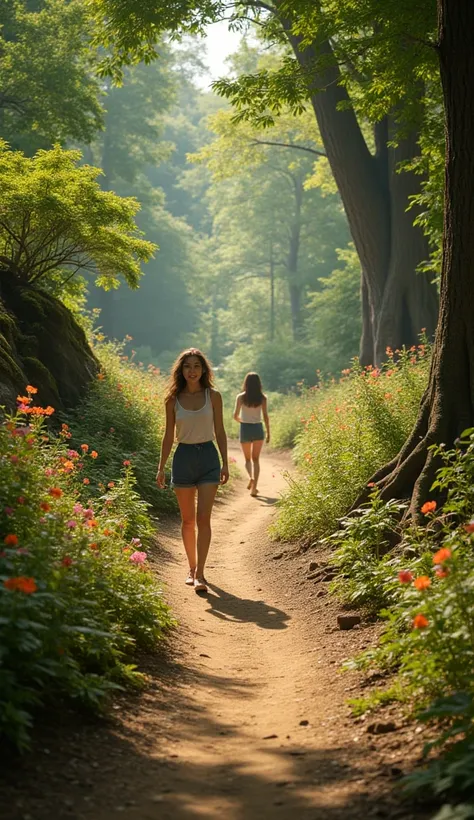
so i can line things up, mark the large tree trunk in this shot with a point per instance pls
(294, 285)
(448, 404)
(397, 301)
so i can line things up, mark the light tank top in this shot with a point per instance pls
(250, 415)
(195, 426)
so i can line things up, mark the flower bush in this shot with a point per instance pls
(347, 430)
(74, 602)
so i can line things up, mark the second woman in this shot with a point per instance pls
(249, 406)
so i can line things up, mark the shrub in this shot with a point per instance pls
(347, 430)
(76, 593)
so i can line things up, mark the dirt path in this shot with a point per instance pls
(249, 719)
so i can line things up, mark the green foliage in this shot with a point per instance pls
(76, 592)
(48, 91)
(53, 216)
(348, 429)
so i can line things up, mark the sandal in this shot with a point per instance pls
(190, 578)
(200, 585)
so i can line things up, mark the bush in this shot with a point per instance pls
(76, 593)
(347, 430)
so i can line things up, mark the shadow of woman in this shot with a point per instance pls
(228, 607)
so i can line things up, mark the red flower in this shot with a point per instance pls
(86, 481)
(126, 463)
(442, 555)
(21, 499)
(441, 572)
(419, 621)
(11, 540)
(405, 576)
(93, 546)
(428, 506)
(55, 492)
(469, 527)
(45, 506)
(21, 584)
(421, 583)
(67, 561)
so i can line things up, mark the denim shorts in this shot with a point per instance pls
(251, 432)
(195, 464)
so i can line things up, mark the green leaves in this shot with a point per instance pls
(53, 215)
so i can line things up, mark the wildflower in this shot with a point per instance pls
(138, 557)
(21, 583)
(8, 510)
(92, 522)
(136, 542)
(94, 454)
(428, 506)
(419, 621)
(112, 430)
(14, 459)
(371, 484)
(21, 499)
(422, 582)
(100, 376)
(111, 484)
(49, 472)
(22, 551)
(127, 463)
(45, 506)
(67, 561)
(71, 524)
(389, 351)
(93, 546)
(441, 572)
(55, 492)
(442, 555)
(30, 389)
(85, 481)
(78, 509)
(24, 399)
(405, 576)
(11, 540)
(469, 527)
(108, 532)
(89, 513)
(64, 427)
(68, 466)
(84, 448)
(72, 454)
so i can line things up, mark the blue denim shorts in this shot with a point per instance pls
(251, 432)
(195, 464)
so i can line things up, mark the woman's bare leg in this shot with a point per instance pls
(256, 450)
(206, 496)
(187, 507)
(247, 451)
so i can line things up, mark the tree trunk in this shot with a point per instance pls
(106, 299)
(294, 285)
(397, 302)
(272, 293)
(447, 407)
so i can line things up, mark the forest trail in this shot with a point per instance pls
(248, 720)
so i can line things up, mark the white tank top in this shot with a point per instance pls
(250, 415)
(195, 426)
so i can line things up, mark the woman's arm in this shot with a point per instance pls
(166, 443)
(238, 405)
(221, 437)
(265, 418)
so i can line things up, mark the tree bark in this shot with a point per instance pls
(447, 407)
(397, 301)
(294, 286)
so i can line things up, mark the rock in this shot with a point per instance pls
(379, 728)
(277, 556)
(270, 737)
(313, 565)
(328, 576)
(203, 655)
(347, 621)
(304, 722)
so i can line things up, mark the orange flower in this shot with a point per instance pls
(126, 463)
(45, 506)
(68, 465)
(92, 522)
(419, 621)
(428, 506)
(421, 583)
(11, 540)
(100, 376)
(21, 583)
(442, 555)
(84, 448)
(441, 572)
(64, 426)
(24, 399)
(108, 532)
(371, 484)
(30, 389)
(55, 492)
(86, 481)
(94, 454)
(111, 484)
(93, 546)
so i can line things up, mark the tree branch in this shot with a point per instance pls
(289, 145)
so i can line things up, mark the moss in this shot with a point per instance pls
(9, 368)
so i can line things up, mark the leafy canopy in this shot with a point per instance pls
(53, 215)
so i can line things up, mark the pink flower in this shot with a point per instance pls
(71, 524)
(72, 454)
(48, 472)
(138, 557)
(77, 509)
(89, 513)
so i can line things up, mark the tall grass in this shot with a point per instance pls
(343, 431)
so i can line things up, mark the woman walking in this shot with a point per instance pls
(194, 409)
(249, 406)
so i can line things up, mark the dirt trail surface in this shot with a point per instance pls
(246, 720)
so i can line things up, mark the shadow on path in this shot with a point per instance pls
(229, 607)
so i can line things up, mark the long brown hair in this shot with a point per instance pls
(177, 382)
(252, 389)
